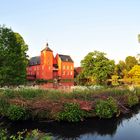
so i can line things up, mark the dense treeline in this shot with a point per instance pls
(98, 69)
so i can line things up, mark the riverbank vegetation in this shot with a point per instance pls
(72, 106)
(24, 135)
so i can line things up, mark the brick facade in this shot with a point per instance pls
(46, 66)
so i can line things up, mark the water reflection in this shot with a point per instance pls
(60, 85)
(125, 127)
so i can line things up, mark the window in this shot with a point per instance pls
(63, 73)
(63, 67)
(71, 73)
(67, 67)
(71, 67)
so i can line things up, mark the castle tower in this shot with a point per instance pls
(46, 63)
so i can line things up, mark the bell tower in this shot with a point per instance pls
(47, 63)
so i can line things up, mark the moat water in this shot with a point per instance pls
(60, 85)
(126, 127)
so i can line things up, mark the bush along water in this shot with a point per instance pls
(132, 99)
(71, 113)
(106, 108)
(16, 113)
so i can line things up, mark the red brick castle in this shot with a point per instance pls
(46, 66)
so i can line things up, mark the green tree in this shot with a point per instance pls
(13, 58)
(97, 67)
(120, 69)
(130, 62)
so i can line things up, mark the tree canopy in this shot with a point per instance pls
(13, 57)
(135, 72)
(130, 62)
(120, 69)
(97, 67)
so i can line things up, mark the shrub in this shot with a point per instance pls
(106, 108)
(132, 99)
(138, 92)
(16, 113)
(71, 113)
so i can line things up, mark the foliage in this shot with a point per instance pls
(26, 93)
(137, 91)
(120, 69)
(97, 67)
(71, 113)
(132, 99)
(13, 58)
(16, 113)
(3, 134)
(118, 92)
(24, 135)
(130, 62)
(81, 79)
(115, 81)
(70, 106)
(10, 93)
(135, 72)
(3, 106)
(30, 93)
(106, 108)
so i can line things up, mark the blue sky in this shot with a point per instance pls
(76, 27)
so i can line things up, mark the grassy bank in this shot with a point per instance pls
(80, 103)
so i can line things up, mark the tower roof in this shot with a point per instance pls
(47, 48)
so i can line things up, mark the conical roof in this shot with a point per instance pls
(47, 48)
